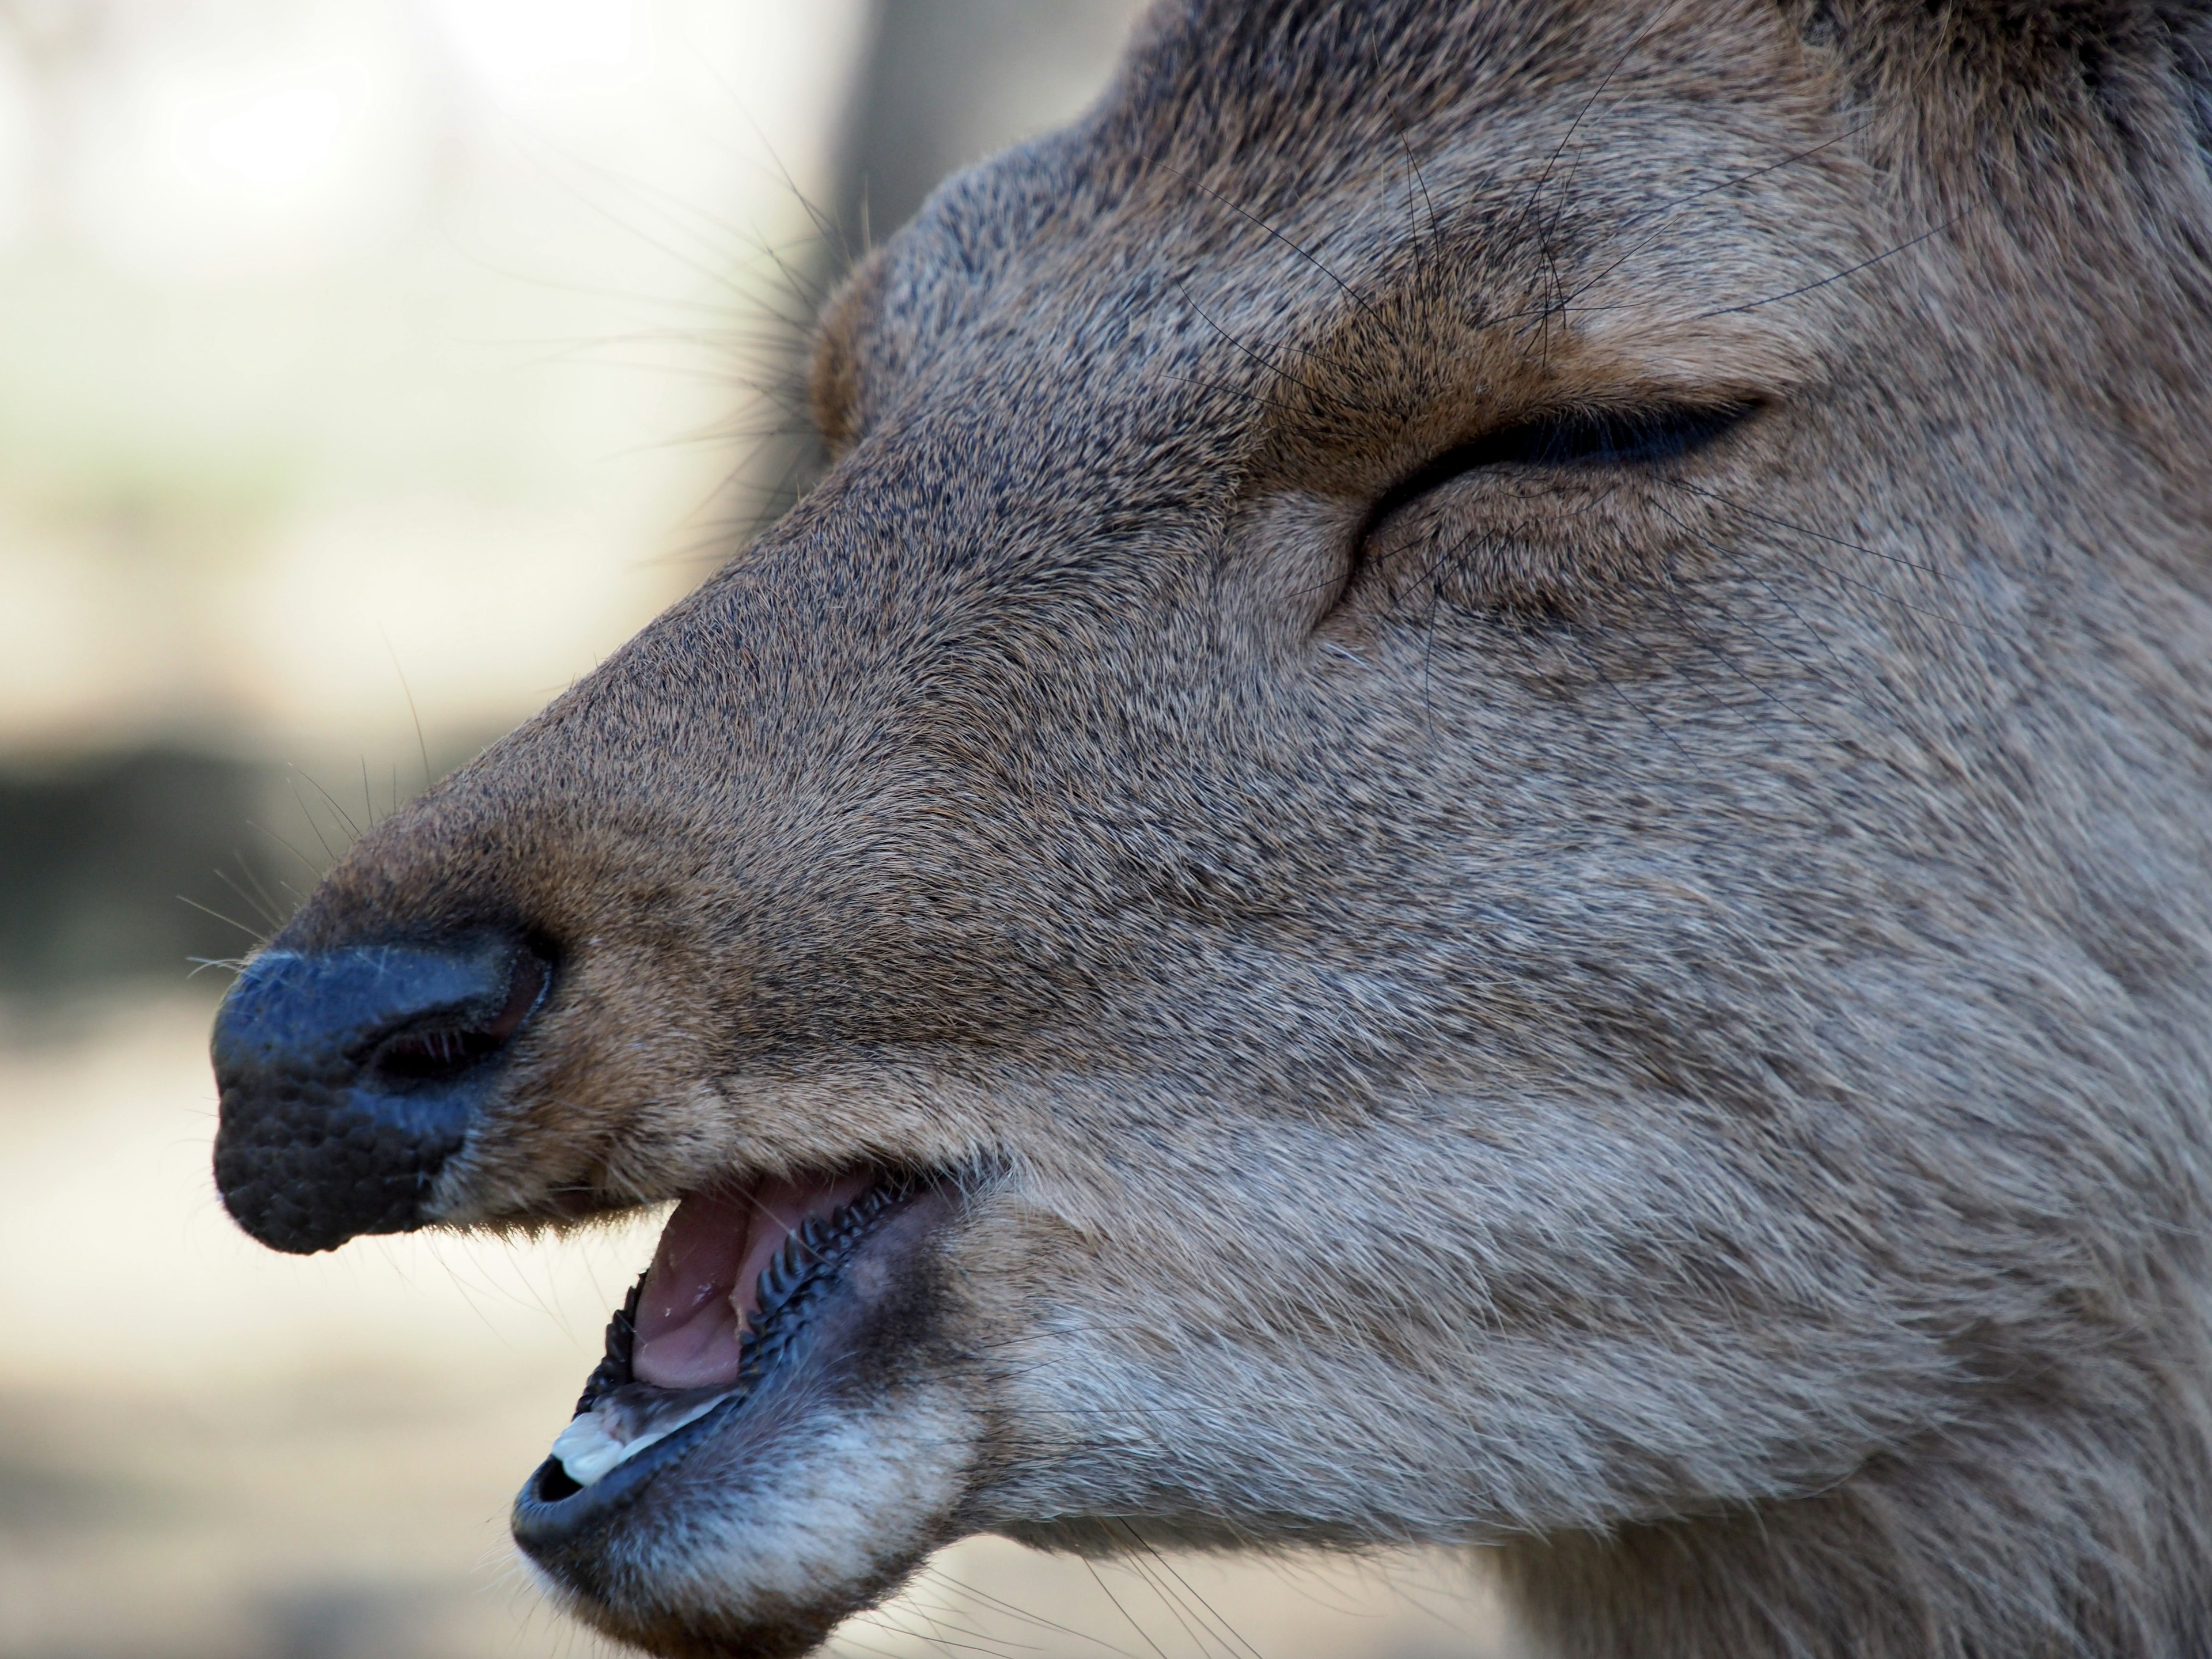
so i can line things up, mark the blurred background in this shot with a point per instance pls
(369, 369)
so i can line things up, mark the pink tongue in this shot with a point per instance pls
(704, 1280)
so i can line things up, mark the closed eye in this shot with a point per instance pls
(1582, 440)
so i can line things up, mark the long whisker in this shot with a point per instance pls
(1733, 506)
(1142, 1632)
(1667, 209)
(254, 934)
(1349, 292)
(1835, 277)
(1606, 680)
(1258, 357)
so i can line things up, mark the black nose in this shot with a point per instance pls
(349, 1076)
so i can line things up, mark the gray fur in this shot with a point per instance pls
(1658, 1018)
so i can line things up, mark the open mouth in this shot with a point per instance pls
(725, 1312)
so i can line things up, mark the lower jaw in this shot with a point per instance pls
(555, 1514)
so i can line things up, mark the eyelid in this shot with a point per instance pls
(1578, 438)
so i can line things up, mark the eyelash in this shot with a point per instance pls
(1634, 438)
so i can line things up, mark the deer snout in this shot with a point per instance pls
(350, 1075)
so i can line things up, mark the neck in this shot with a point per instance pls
(2086, 1538)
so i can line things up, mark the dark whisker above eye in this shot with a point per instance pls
(1581, 439)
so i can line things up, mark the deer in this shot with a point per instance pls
(1475, 811)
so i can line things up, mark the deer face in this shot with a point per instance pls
(1343, 884)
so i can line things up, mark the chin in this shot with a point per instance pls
(776, 1435)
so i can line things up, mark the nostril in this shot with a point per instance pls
(425, 1056)
(349, 1077)
(430, 1054)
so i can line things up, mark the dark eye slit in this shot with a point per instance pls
(1580, 440)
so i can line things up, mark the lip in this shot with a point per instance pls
(555, 1513)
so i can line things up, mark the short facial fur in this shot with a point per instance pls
(1646, 1004)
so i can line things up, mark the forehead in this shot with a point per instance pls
(1217, 78)
(1291, 100)
(1285, 170)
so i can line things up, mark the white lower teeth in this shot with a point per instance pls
(587, 1450)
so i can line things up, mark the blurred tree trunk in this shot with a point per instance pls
(946, 83)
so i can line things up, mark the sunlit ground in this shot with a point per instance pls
(209, 1449)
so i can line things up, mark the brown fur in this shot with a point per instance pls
(1656, 1018)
